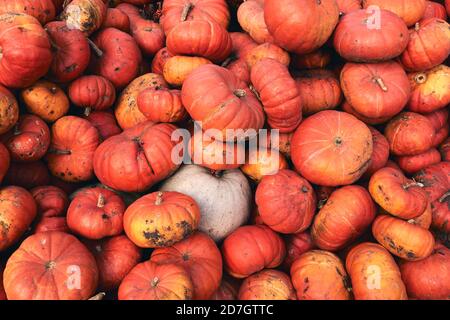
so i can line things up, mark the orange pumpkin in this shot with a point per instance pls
(9, 110)
(346, 6)
(161, 105)
(228, 290)
(372, 121)
(43, 10)
(84, 15)
(52, 203)
(410, 11)
(263, 162)
(177, 68)
(434, 10)
(250, 16)
(434, 180)
(412, 164)
(315, 60)
(267, 285)
(5, 160)
(380, 153)
(444, 149)
(160, 59)
(441, 213)
(27, 174)
(105, 123)
(296, 245)
(267, 51)
(236, 63)
(425, 219)
(116, 18)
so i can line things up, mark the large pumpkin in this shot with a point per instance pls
(18, 211)
(320, 275)
(105, 123)
(71, 152)
(25, 48)
(200, 257)
(137, 158)
(286, 202)
(374, 273)
(250, 249)
(344, 217)
(4, 161)
(161, 219)
(267, 285)
(410, 11)
(250, 16)
(224, 197)
(377, 90)
(313, 22)
(50, 266)
(370, 36)
(85, 15)
(331, 148)
(43, 10)
(9, 110)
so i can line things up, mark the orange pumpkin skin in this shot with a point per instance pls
(71, 52)
(286, 202)
(96, 213)
(5, 160)
(438, 118)
(29, 140)
(428, 279)
(267, 285)
(27, 174)
(372, 121)
(434, 10)
(242, 45)
(18, 211)
(444, 149)
(278, 93)
(200, 257)
(84, 15)
(412, 164)
(341, 220)
(177, 68)
(263, 162)
(42, 10)
(441, 213)
(250, 249)
(127, 112)
(26, 54)
(50, 266)
(314, 21)
(320, 275)
(331, 148)
(250, 16)
(376, 90)
(410, 11)
(137, 158)
(425, 219)
(161, 105)
(434, 180)
(152, 281)
(92, 93)
(374, 273)
(355, 39)
(380, 154)
(409, 134)
(9, 110)
(160, 59)
(105, 123)
(115, 257)
(447, 6)
(346, 6)
(296, 245)
(71, 153)
(221, 86)
(52, 203)
(116, 18)
(441, 135)
(403, 239)
(319, 90)
(267, 51)
(430, 89)
(397, 194)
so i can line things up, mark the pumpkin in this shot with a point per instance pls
(161, 219)
(403, 239)
(430, 89)
(92, 93)
(296, 245)
(96, 213)
(177, 68)
(207, 39)
(160, 59)
(441, 213)
(236, 63)
(412, 164)
(46, 100)
(29, 140)
(267, 51)
(346, 6)
(286, 202)
(200, 257)
(380, 154)
(120, 58)
(250, 15)
(429, 45)
(283, 143)
(434, 180)
(444, 149)
(2, 290)
(409, 133)
(425, 219)
(331, 148)
(175, 12)
(374, 273)
(47, 224)
(314, 60)
(18, 211)
(387, 32)
(438, 118)
(428, 279)
(84, 15)
(9, 110)
(378, 90)
(398, 195)
(105, 123)
(27, 174)
(447, 6)
(116, 18)
(52, 204)
(434, 10)
(224, 197)
(267, 285)
(161, 105)
(314, 22)
(25, 48)
(71, 152)
(71, 52)
(127, 112)
(137, 158)
(50, 266)
(441, 135)
(42, 10)
(372, 121)
(263, 162)
(221, 87)
(115, 257)
(252, 248)
(226, 291)
(320, 275)
(153, 281)
(410, 11)
(4, 161)
(319, 90)
(344, 217)
(278, 93)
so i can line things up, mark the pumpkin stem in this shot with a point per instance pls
(159, 199)
(59, 152)
(16, 130)
(101, 201)
(97, 51)
(186, 9)
(417, 26)
(87, 111)
(413, 184)
(420, 78)
(240, 93)
(444, 196)
(255, 92)
(98, 296)
(155, 281)
(380, 82)
(226, 62)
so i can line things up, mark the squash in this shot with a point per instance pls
(116, 18)
(441, 213)
(228, 290)
(27, 174)
(346, 6)
(42, 10)
(267, 285)
(84, 15)
(434, 180)
(380, 154)
(161, 105)
(412, 164)
(9, 110)
(263, 162)
(177, 68)
(434, 10)
(105, 123)
(296, 245)
(160, 59)
(250, 15)
(372, 121)
(5, 160)
(410, 11)
(52, 203)
(267, 51)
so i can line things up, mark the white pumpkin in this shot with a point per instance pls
(224, 198)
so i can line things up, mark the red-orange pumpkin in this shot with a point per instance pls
(267, 285)
(161, 105)
(42, 10)
(435, 181)
(84, 15)
(265, 51)
(380, 154)
(438, 118)
(52, 203)
(441, 213)
(105, 123)
(372, 121)
(228, 290)
(314, 60)
(410, 11)
(434, 10)
(412, 164)
(116, 18)
(332, 148)
(9, 110)
(5, 160)
(444, 149)
(160, 59)
(447, 6)
(27, 174)
(296, 245)
(346, 6)
(262, 162)
(250, 16)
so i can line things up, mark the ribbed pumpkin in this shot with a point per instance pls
(380, 154)
(116, 18)
(27, 174)
(250, 16)
(410, 11)
(435, 181)
(434, 10)
(267, 285)
(263, 162)
(160, 59)
(314, 60)
(296, 245)
(346, 6)
(412, 164)
(441, 213)
(9, 110)
(265, 51)
(105, 123)
(177, 68)
(52, 203)
(43, 10)
(161, 105)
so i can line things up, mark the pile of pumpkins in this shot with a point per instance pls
(351, 201)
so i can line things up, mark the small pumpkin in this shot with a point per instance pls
(296, 245)
(263, 162)
(380, 154)
(160, 59)
(161, 105)
(250, 15)
(441, 213)
(116, 18)
(236, 63)
(84, 15)
(267, 285)
(346, 6)
(315, 60)
(434, 10)
(412, 164)
(425, 219)
(27, 174)
(267, 51)
(105, 123)
(5, 160)
(410, 11)
(227, 291)
(42, 10)
(177, 68)
(444, 149)
(434, 180)
(52, 204)
(9, 110)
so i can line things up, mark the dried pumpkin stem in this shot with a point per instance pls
(417, 26)
(444, 196)
(87, 111)
(420, 78)
(155, 281)
(101, 201)
(159, 199)
(97, 51)
(413, 184)
(98, 296)
(381, 83)
(186, 9)
(255, 92)
(16, 130)
(226, 62)
(240, 93)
